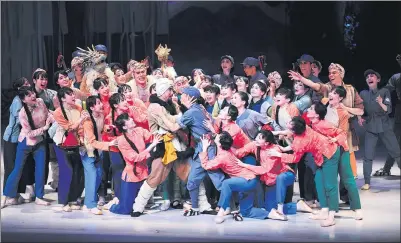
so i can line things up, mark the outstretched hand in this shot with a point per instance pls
(205, 142)
(187, 101)
(208, 124)
(294, 75)
(113, 143)
(360, 121)
(156, 139)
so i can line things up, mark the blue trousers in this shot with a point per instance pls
(276, 194)
(246, 193)
(93, 175)
(23, 151)
(197, 174)
(117, 167)
(259, 192)
(71, 175)
(129, 191)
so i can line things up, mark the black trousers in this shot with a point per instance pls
(212, 193)
(306, 181)
(102, 191)
(28, 173)
(397, 131)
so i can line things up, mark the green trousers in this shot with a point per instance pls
(327, 183)
(347, 179)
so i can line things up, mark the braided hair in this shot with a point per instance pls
(61, 94)
(90, 102)
(22, 93)
(268, 137)
(115, 99)
(120, 123)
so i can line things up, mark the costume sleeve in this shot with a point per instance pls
(64, 123)
(209, 164)
(25, 125)
(387, 101)
(260, 119)
(147, 136)
(186, 120)
(304, 103)
(265, 107)
(258, 170)
(242, 152)
(15, 109)
(164, 119)
(292, 158)
(324, 89)
(358, 101)
(129, 154)
(90, 137)
(139, 111)
(344, 120)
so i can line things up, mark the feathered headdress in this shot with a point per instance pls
(91, 57)
(162, 55)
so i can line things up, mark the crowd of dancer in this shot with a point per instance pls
(223, 145)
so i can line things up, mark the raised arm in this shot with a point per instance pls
(298, 77)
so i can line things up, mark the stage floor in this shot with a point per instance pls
(381, 207)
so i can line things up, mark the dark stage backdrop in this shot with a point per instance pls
(33, 34)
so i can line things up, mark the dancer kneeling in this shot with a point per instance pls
(132, 145)
(326, 156)
(279, 175)
(242, 179)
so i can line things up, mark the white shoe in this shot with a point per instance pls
(274, 214)
(328, 222)
(40, 201)
(25, 197)
(227, 212)
(303, 207)
(358, 214)
(322, 215)
(111, 203)
(219, 219)
(165, 205)
(220, 215)
(94, 210)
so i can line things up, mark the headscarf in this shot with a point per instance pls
(276, 77)
(339, 68)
